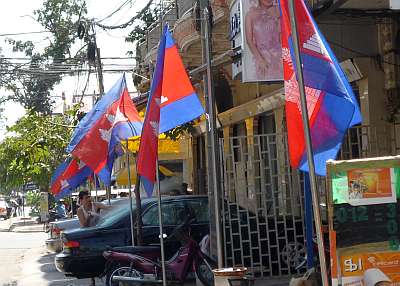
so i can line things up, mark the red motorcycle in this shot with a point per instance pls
(138, 269)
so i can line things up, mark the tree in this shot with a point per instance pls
(36, 148)
(32, 89)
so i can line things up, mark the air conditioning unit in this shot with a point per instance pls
(372, 4)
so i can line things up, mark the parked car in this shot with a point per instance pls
(82, 248)
(5, 209)
(54, 242)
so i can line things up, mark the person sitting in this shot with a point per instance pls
(60, 209)
(88, 212)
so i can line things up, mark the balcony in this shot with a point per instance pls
(182, 21)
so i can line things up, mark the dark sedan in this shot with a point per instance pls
(82, 248)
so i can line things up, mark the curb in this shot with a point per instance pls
(21, 221)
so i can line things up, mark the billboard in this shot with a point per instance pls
(261, 41)
(364, 221)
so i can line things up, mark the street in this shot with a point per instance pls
(26, 262)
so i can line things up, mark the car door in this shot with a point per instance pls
(173, 214)
(116, 234)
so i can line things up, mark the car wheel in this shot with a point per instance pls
(122, 271)
(294, 255)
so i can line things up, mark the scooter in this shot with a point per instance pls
(143, 270)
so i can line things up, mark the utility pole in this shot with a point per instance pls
(212, 141)
(99, 68)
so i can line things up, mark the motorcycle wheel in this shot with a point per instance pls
(204, 272)
(121, 271)
(294, 255)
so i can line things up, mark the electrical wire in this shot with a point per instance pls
(23, 33)
(130, 22)
(361, 53)
(115, 11)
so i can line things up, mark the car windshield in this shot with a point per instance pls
(114, 214)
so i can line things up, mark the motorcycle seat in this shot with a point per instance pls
(135, 249)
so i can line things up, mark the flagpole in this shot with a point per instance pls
(307, 136)
(212, 134)
(158, 183)
(130, 192)
(161, 225)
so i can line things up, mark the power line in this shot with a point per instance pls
(67, 59)
(130, 22)
(115, 11)
(23, 33)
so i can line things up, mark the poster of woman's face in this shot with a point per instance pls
(261, 49)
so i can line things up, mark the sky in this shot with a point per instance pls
(16, 16)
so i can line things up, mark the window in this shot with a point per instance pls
(200, 210)
(173, 213)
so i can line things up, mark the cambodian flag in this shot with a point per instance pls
(332, 107)
(172, 102)
(97, 137)
(179, 102)
(68, 176)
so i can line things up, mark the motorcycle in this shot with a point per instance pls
(141, 269)
(52, 216)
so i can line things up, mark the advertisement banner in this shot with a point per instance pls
(365, 186)
(364, 221)
(235, 36)
(370, 269)
(261, 41)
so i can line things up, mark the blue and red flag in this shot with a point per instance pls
(68, 176)
(332, 106)
(179, 101)
(96, 139)
(172, 102)
(148, 148)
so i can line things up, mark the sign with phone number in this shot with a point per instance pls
(365, 225)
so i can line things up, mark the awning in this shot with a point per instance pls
(122, 175)
(165, 145)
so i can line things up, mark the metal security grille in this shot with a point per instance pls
(263, 220)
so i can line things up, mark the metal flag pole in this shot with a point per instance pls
(161, 226)
(212, 133)
(307, 137)
(130, 192)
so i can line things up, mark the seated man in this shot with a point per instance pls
(60, 209)
(88, 212)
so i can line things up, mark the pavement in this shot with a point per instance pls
(25, 259)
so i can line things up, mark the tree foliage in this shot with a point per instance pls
(141, 27)
(32, 90)
(34, 151)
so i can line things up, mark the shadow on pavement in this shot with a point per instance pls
(55, 278)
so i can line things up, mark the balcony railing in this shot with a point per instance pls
(172, 12)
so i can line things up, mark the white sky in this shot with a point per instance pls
(16, 17)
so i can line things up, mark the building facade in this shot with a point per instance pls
(262, 210)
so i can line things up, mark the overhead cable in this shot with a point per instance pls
(130, 22)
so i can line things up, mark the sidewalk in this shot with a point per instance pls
(20, 224)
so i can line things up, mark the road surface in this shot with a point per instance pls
(25, 261)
